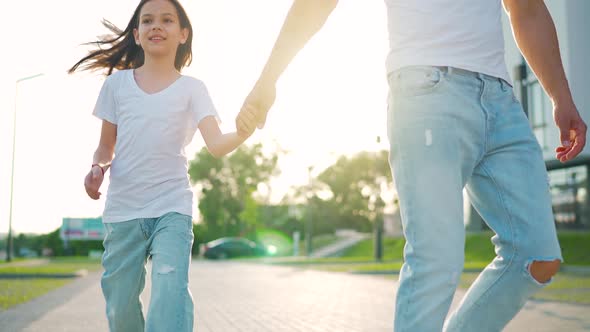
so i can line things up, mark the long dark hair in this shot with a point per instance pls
(123, 53)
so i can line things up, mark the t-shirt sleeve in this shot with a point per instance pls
(106, 105)
(201, 104)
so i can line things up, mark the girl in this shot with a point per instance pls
(149, 113)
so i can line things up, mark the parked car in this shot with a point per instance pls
(227, 247)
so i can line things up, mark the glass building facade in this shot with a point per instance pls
(569, 181)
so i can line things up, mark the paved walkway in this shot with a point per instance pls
(246, 297)
(343, 243)
(27, 262)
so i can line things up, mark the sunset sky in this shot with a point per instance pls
(331, 100)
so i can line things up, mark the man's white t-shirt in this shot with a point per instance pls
(149, 173)
(465, 34)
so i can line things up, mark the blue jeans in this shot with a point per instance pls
(449, 130)
(168, 240)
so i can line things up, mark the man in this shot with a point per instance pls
(454, 123)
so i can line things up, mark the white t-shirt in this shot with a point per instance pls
(465, 34)
(149, 173)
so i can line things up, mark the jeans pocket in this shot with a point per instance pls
(416, 80)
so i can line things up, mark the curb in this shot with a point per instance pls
(386, 272)
(79, 273)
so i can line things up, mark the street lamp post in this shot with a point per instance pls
(377, 214)
(9, 239)
(309, 221)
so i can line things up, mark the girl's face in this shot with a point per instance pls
(159, 32)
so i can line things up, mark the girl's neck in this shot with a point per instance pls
(158, 67)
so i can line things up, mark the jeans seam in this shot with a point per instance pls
(514, 250)
(139, 290)
(142, 228)
(486, 118)
(400, 167)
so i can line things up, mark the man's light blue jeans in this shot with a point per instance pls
(168, 240)
(451, 129)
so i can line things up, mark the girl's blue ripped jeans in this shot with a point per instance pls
(168, 240)
(450, 130)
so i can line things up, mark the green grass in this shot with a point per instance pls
(565, 280)
(14, 260)
(392, 249)
(18, 290)
(565, 287)
(357, 266)
(317, 242)
(360, 268)
(303, 260)
(478, 248)
(479, 251)
(575, 247)
(55, 266)
(15, 291)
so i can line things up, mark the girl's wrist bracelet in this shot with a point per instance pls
(101, 168)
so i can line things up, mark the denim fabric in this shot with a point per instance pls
(168, 241)
(450, 130)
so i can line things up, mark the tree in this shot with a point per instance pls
(225, 188)
(355, 184)
(249, 215)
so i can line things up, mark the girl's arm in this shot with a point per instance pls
(102, 159)
(218, 143)
(106, 146)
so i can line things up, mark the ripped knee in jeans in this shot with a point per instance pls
(542, 270)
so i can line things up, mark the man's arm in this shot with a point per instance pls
(304, 20)
(536, 37)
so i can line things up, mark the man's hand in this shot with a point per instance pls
(92, 182)
(572, 132)
(536, 37)
(255, 108)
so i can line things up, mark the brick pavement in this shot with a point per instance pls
(246, 297)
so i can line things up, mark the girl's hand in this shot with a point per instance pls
(246, 122)
(93, 181)
(255, 108)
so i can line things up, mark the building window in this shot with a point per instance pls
(569, 196)
(536, 104)
(539, 108)
(569, 184)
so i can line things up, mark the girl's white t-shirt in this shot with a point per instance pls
(465, 34)
(149, 173)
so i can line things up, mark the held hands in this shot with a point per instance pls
(572, 132)
(255, 108)
(92, 182)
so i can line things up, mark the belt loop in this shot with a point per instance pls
(450, 70)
